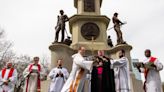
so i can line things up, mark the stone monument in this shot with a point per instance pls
(88, 28)
(88, 23)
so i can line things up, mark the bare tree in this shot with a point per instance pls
(1, 33)
(20, 63)
(44, 61)
(6, 52)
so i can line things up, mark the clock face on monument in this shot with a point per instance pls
(89, 30)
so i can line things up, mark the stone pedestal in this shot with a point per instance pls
(137, 84)
(45, 85)
(61, 51)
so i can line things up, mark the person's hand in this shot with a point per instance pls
(61, 75)
(138, 65)
(122, 23)
(38, 72)
(105, 59)
(30, 71)
(57, 75)
(94, 59)
(152, 65)
(6, 82)
(56, 27)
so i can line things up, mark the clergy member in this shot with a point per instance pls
(75, 82)
(58, 76)
(121, 70)
(102, 75)
(152, 77)
(8, 78)
(33, 74)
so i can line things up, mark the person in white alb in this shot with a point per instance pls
(58, 77)
(8, 78)
(77, 77)
(121, 72)
(152, 77)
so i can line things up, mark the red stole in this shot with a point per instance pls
(152, 60)
(38, 82)
(10, 73)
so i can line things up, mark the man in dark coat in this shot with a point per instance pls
(102, 76)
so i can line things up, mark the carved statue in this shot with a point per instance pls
(60, 26)
(117, 23)
(109, 41)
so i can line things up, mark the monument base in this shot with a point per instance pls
(45, 85)
(61, 51)
(137, 85)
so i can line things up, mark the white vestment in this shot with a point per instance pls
(153, 80)
(76, 80)
(11, 84)
(57, 81)
(31, 82)
(122, 76)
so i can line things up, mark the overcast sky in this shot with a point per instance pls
(29, 24)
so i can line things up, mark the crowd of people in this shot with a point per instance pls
(102, 73)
